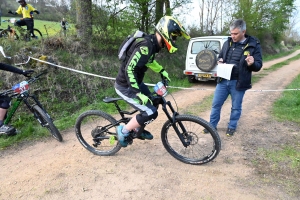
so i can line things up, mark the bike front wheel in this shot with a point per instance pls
(38, 35)
(45, 120)
(96, 131)
(200, 148)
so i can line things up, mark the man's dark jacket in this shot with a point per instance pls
(245, 72)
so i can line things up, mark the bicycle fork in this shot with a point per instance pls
(172, 119)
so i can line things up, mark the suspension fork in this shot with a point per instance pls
(12, 110)
(172, 118)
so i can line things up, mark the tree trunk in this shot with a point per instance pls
(159, 11)
(84, 21)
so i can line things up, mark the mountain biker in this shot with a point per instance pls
(5, 100)
(27, 11)
(129, 81)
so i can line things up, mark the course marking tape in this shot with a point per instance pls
(149, 84)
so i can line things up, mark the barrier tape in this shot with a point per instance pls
(149, 84)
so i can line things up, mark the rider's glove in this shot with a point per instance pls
(27, 73)
(11, 12)
(36, 11)
(143, 99)
(165, 74)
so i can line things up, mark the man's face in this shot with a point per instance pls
(237, 35)
(22, 3)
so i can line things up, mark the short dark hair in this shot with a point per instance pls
(238, 23)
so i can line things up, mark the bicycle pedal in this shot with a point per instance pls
(129, 140)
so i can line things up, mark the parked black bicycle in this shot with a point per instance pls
(181, 135)
(20, 92)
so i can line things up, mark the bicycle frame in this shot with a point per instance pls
(22, 98)
(156, 101)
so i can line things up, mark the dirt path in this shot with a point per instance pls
(53, 170)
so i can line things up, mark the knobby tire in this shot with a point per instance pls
(47, 122)
(38, 34)
(6, 35)
(94, 129)
(203, 148)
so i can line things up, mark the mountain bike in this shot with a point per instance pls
(23, 34)
(181, 135)
(20, 93)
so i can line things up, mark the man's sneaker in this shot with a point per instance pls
(230, 132)
(121, 137)
(205, 131)
(146, 135)
(7, 130)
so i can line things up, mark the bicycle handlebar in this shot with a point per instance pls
(33, 79)
(11, 92)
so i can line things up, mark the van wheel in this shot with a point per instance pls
(191, 79)
(206, 60)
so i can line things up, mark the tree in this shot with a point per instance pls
(265, 17)
(210, 14)
(84, 21)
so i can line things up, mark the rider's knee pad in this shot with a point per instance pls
(5, 105)
(5, 102)
(144, 119)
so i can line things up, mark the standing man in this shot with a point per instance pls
(5, 100)
(244, 52)
(63, 25)
(129, 82)
(26, 10)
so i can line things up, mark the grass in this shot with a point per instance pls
(287, 107)
(279, 55)
(47, 28)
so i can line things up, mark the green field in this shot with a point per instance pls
(47, 28)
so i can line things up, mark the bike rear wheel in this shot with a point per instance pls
(7, 34)
(202, 148)
(96, 131)
(46, 121)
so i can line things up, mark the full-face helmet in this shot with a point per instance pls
(169, 28)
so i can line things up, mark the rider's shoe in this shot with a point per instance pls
(7, 130)
(146, 135)
(121, 136)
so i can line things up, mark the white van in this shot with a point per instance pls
(201, 58)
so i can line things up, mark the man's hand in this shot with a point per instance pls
(249, 60)
(143, 99)
(36, 11)
(27, 73)
(165, 74)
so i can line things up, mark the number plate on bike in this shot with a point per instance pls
(160, 89)
(21, 87)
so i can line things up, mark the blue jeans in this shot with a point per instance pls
(223, 89)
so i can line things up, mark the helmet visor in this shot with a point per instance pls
(175, 29)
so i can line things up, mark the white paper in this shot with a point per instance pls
(224, 70)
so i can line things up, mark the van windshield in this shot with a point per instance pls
(202, 45)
